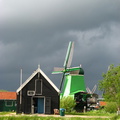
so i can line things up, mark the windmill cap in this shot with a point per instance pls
(81, 72)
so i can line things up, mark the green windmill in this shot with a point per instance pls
(72, 81)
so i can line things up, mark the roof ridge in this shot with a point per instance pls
(32, 75)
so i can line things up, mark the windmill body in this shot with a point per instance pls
(73, 77)
(73, 83)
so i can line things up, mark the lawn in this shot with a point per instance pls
(77, 116)
(46, 118)
(4, 113)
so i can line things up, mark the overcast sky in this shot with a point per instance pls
(36, 32)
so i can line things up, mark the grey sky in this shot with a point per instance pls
(36, 32)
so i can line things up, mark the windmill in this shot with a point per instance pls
(73, 77)
(91, 91)
(92, 101)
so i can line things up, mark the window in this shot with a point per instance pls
(38, 86)
(9, 103)
(15, 103)
(30, 93)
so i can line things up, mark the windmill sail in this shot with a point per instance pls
(58, 70)
(61, 83)
(94, 88)
(88, 90)
(69, 55)
(68, 60)
(67, 64)
(91, 91)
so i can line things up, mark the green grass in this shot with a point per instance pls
(5, 113)
(93, 113)
(99, 113)
(116, 117)
(46, 118)
(3, 91)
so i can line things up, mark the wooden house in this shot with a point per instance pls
(38, 94)
(7, 101)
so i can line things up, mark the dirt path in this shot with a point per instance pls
(81, 116)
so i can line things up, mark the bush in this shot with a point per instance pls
(116, 117)
(111, 107)
(68, 103)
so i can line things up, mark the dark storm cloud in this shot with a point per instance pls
(61, 14)
(36, 32)
(98, 48)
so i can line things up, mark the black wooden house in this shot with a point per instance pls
(37, 94)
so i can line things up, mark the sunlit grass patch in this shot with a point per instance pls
(47, 118)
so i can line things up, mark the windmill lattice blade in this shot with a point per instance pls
(70, 55)
(58, 69)
(68, 58)
(57, 72)
(94, 88)
(88, 90)
(62, 81)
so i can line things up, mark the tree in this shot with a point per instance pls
(68, 103)
(3, 91)
(110, 85)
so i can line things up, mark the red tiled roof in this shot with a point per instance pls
(102, 103)
(8, 95)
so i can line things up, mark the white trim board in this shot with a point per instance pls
(30, 78)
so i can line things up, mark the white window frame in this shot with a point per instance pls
(28, 92)
(7, 104)
(40, 86)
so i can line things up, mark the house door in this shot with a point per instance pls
(48, 105)
(40, 105)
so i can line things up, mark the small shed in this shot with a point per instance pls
(7, 101)
(38, 94)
